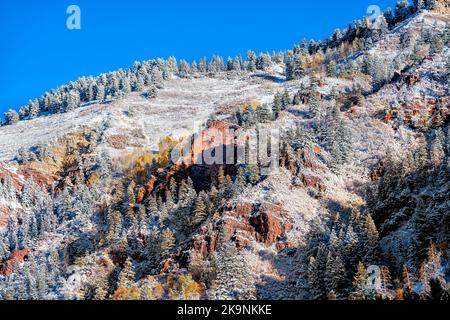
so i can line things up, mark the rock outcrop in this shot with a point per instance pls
(266, 223)
(16, 257)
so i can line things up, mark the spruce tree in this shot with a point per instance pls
(359, 282)
(126, 276)
(314, 102)
(167, 243)
(11, 117)
(200, 213)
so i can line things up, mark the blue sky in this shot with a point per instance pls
(38, 52)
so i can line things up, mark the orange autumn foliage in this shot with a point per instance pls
(141, 195)
(184, 288)
(400, 294)
(127, 294)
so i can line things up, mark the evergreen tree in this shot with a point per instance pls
(277, 105)
(233, 280)
(437, 44)
(335, 273)
(200, 213)
(230, 66)
(237, 64)
(101, 290)
(371, 238)
(100, 93)
(263, 114)
(331, 69)
(167, 243)
(251, 61)
(407, 281)
(314, 102)
(72, 101)
(126, 276)
(184, 70)
(11, 117)
(253, 173)
(359, 282)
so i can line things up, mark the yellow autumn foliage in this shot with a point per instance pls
(127, 294)
(184, 288)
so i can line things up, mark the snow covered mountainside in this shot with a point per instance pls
(93, 206)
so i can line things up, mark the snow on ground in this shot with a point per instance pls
(179, 109)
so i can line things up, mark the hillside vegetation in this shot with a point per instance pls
(355, 189)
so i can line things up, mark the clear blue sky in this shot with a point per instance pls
(38, 52)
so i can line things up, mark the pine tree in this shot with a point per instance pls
(126, 276)
(402, 10)
(33, 109)
(167, 243)
(314, 102)
(240, 180)
(237, 64)
(422, 152)
(11, 117)
(172, 65)
(424, 279)
(23, 113)
(125, 85)
(184, 70)
(100, 93)
(221, 178)
(371, 240)
(263, 114)
(251, 61)
(194, 67)
(335, 273)
(295, 67)
(230, 66)
(277, 106)
(331, 69)
(101, 290)
(385, 281)
(200, 213)
(233, 280)
(72, 101)
(130, 199)
(359, 282)
(407, 281)
(437, 44)
(285, 100)
(253, 173)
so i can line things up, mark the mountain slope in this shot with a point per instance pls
(93, 192)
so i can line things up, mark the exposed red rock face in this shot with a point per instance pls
(41, 178)
(218, 134)
(314, 183)
(26, 172)
(146, 190)
(236, 226)
(16, 257)
(4, 214)
(269, 224)
(17, 182)
(200, 246)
